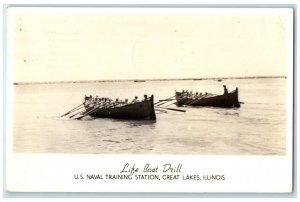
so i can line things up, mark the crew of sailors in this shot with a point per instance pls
(190, 94)
(104, 101)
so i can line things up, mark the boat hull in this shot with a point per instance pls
(229, 100)
(143, 110)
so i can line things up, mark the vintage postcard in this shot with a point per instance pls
(149, 99)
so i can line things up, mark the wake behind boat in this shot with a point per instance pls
(227, 100)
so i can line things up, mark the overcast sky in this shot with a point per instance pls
(84, 45)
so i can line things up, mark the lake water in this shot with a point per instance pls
(257, 128)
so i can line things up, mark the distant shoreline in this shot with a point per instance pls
(145, 80)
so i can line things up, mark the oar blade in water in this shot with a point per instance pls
(168, 108)
(72, 110)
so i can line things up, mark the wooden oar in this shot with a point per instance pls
(160, 110)
(93, 110)
(75, 110)
(161, 104)
(196, 99)
(72, 110)
(171, 104)
(179, 110)
(190, 101)
(175, 102)
(77, 113)
(165, 99)
(87, 113)
(193, 101)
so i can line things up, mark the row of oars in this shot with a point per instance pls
(83, 113)
(73, 110)
(159, 106)
(93, 109)
(171, 99)
(190, 102)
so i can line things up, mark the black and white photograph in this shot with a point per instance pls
(179, 82)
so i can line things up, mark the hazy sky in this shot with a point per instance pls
(49, 46)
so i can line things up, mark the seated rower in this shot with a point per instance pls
(102, 100)
(90, 102)
(86, 100)
(145, 97)
(117, 102)
(105, 102)
(121, 103)
(135, 100)
(190, 94)
(185, 94)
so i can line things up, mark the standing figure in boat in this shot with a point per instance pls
(225, 90)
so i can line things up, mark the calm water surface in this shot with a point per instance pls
(257, 128)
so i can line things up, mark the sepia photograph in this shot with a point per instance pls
(142, 84)
(151, 81)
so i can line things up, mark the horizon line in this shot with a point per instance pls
(143, 80)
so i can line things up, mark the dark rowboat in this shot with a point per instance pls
(140, 110)
(226, 100)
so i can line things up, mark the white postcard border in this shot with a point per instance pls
(55, 172)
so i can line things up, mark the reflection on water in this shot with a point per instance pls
(149, 124)
(253, 129)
